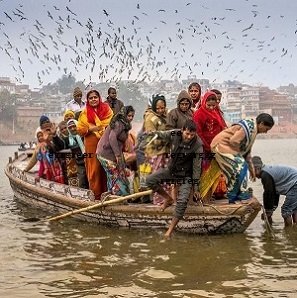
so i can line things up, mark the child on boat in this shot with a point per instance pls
(49, 166)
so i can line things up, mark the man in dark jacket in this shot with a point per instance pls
(278, 180)
(183, 169)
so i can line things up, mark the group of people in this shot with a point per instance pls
(187, 152)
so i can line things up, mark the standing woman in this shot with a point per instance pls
(157, 151)
(209, 122)
(110, 151)
(91, 125)
(177, 117)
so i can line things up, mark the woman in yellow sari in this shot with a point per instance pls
(91, 124)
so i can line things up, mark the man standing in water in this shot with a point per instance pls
(278, 180)
(184, 169)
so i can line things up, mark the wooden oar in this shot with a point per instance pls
(102, 204)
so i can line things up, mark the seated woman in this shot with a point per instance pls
(76, 144)
(68, 164)
(49, 166)
(110, 151)
(68, 115)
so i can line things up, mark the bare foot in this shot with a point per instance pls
(167, 235)
(166, 204)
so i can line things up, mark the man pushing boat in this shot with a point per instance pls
(278, 180)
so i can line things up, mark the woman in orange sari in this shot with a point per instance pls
(91, 124)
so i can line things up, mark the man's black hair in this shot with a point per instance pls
(266, 119)
(111, 89)
(190, 125)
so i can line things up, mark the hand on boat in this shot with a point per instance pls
(197, 195)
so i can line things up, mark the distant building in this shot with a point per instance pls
(234, 105)
(279, 104)
(28, 116)
(5, 83)
(250, 101)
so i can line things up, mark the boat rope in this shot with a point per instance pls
(224, 213)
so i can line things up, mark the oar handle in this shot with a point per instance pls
(102, 204)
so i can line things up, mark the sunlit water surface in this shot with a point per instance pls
(73, 259)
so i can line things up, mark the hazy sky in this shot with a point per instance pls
(250, 41)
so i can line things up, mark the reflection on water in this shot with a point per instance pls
(74, 259)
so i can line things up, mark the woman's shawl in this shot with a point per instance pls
(75, 138)
(250, 129)
(83, 124)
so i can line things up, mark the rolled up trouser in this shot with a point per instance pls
(290, 204)
(154, 181)
(182, 198)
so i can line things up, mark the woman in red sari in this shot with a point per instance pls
(91, 124)
(209, 123)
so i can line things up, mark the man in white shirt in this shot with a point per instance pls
(76, 104)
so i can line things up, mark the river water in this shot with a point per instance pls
(74, 259)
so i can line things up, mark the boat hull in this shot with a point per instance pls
(58, 198)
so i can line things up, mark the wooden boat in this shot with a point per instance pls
(215, 218)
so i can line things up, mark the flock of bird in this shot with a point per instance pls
(153, 44)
